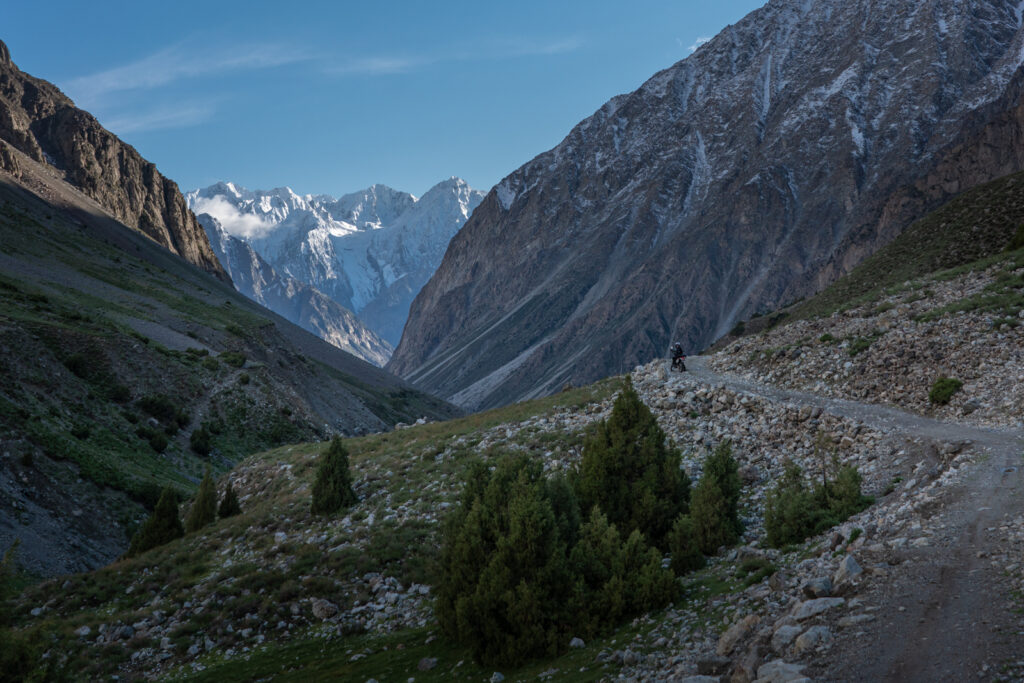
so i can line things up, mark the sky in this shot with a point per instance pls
(332, 97)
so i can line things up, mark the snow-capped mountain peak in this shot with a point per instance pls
(371, 251)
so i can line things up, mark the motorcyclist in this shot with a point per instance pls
(678, 357)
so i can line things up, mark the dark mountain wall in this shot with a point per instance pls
(749, 175)
(39, 120)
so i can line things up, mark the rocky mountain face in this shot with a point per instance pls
(303, 305)
(369, 251)
(39, 120)
(750, 174)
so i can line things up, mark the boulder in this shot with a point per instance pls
(727, 641)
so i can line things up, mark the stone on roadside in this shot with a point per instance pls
(577, 643)
(427, 663)
(812, 608)
(819, 587)
(778, 671)
(784, 636)
(812, 638)
(735, 633)
(848, 570)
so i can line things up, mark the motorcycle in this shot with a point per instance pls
(678, 364)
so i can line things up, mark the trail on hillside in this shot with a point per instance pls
(946, 611)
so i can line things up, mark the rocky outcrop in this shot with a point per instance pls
(748, 175)
(40, 121)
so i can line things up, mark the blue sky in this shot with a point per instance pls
(332, 97)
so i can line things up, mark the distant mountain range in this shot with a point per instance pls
(369, 252)
(751, 174)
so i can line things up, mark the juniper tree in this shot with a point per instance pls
(163, 526)
(722, 467)
(332, 489)
(682, 543)
(229, 505)
(630, 473)
(204, 507)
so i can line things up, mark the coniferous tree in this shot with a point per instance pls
(630, 472)
(332, 490)
(229, 505)
(163, 525)
(204, 507)
(721, 466)
(709, 511)
(682, 543)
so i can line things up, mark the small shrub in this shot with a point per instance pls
(244, 378)
(826, 338)
(1017, 241)
(80, 431)
(738, 329)
(163, 526)
(235, 329)
(233, 358)
(332, 489)
(210, 363)
(158, 441)
(78, 364)
(199, 441)
(204, 507)
(943, 389)
(754, 570)
(159, 406)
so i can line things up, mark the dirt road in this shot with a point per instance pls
(952, 610)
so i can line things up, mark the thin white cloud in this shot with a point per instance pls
(234, 222)
(697, 43)
(171, 116)
(374, 66)
(179, 62)
(497, 50)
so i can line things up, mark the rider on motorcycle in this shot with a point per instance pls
(678, 357)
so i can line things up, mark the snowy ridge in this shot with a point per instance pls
(369, 251)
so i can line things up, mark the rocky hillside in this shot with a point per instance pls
(123, 368)
(39, 120)
(749, 175)
(350, 597)
(370, 251)
(303, 305)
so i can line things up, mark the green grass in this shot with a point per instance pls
(979, 224)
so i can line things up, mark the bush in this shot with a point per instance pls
(1017, 241)
(332, 489)
(159, 406)
(79, 365)
(630, 473)
(233, 358)
(795, 511)
(163, 526)
(513, 587)
(199, 441)
(204, 507)
(229, 505)
(682, 543)
(943, 389)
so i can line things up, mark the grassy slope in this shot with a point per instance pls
(976, 225)
(80, 298)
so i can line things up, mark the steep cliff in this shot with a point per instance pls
(39, 120)
(748, 175)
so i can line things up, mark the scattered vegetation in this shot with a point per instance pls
(229, 505)
(943, 389)
(796, 510)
